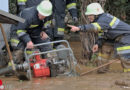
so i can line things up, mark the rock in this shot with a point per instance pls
(122, 82)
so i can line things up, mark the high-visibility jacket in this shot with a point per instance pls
(112, 29)
(32, 27)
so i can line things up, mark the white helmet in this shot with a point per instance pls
(94, 8)
(45, 8)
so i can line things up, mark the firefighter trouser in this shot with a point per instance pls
(59, 27)
(123, 50)
(104, 56)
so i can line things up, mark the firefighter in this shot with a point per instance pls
(59, 15)
(59, 7)
(32, 31)
(112, 29)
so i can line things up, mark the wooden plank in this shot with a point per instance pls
(6, 17)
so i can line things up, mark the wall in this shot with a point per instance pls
(7, 31)
(4, 5)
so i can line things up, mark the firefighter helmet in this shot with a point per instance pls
(94, 9)
(45, 8)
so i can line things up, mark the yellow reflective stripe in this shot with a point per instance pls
(113, 21)
(71, 5)
(19, 31)
(123, 48)
(98, 26)
(9, 64)
(99, 34)
(48, 22)
(14, 41)
(61, 29)
(52, 44)
(29, 52)
(126, 70)
(33, 26)
(103, 55)
(21, 0)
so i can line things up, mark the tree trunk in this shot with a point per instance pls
(87, 38)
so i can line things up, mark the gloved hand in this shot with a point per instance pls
(43, 35)
(75, 19)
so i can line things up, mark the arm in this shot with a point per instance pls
(22, 28)
(82, 28)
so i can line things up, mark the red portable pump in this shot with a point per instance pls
(39, 66)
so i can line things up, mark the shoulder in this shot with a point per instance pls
(105, 18)
(29, 13)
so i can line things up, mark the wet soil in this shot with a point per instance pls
(91, 81)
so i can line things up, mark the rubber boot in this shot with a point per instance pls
(125, 81)
(104, 56)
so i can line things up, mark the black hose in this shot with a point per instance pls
(6, 70)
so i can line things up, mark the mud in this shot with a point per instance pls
(91, 81)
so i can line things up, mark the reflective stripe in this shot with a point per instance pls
(29, 52)
(102, 55)
(114, 22)
(123, 52)
(61, 31)
(99, 34)
(47, 24)
(21, 0)
(123, 48)
(14, 42)
(33, 26)
(126, 70)
(101, 58)
(71, 5)
(9, 64)
(97, 27)
(21, 3)
(21, 33)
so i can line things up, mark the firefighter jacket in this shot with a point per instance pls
(110, 26)
(114, 30)
(32, 27)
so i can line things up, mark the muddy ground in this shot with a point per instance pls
(91, 81)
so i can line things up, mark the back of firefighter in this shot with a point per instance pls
(112, 29)
(31, 31)
(59, 7)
